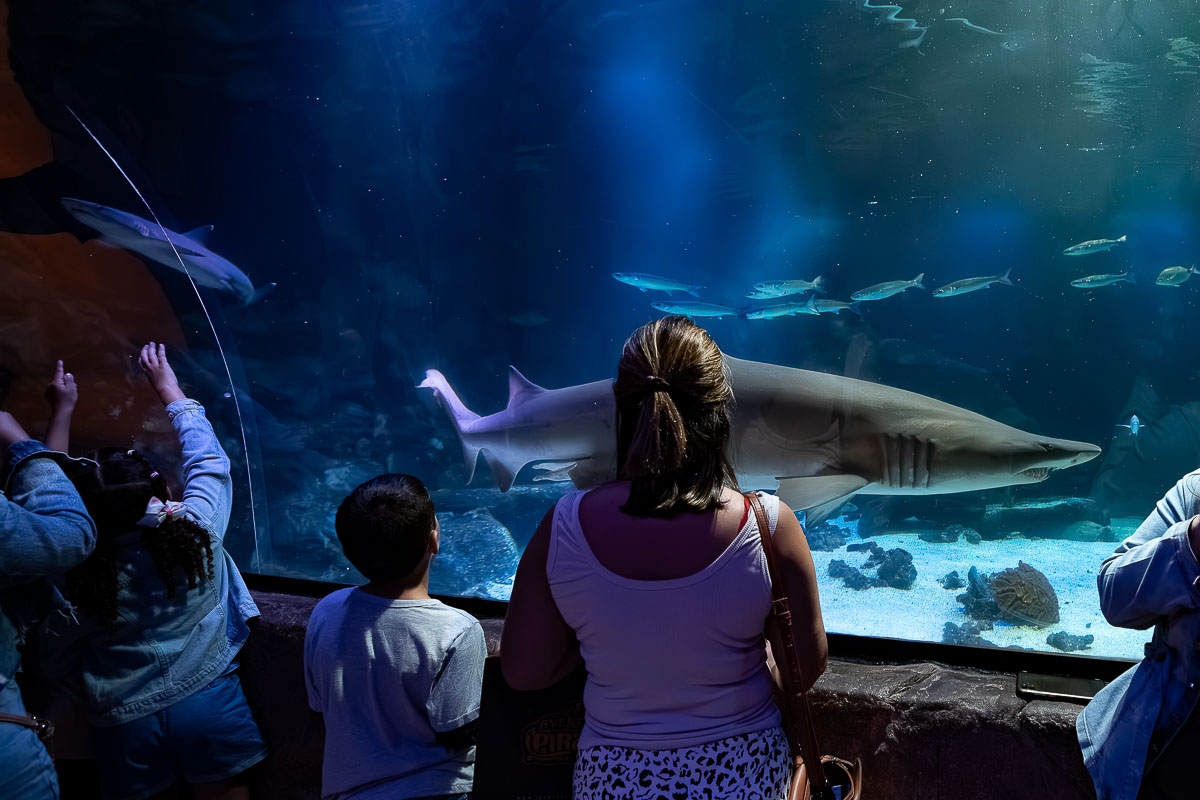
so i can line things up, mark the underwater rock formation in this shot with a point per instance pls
(1137, 469)
(948, 534)
(967, 633)
(951, 580)
(1087, 531)
(977, 600)
(897, 569)
(1021, 596)
(825, 537)
(1042, 518)
(477, 556)
(1070, 643)
(1024, 596)
(851, 576)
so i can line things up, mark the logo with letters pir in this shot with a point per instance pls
(552, 739)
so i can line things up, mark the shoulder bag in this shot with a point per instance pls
(810, 779)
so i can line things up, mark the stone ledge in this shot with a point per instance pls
(922, 730)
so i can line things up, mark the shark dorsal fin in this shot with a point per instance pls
(519, 384)
(200, 235)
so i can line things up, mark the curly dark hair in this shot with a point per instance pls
(116, 494)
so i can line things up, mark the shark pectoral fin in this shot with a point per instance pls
(500, 471)
(819, 496)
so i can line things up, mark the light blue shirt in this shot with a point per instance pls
(1151, 580)
(388, 675)
(165, 649)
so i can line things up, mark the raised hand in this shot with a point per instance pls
(153, 360)
(61, 392)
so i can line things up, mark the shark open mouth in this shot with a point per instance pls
(1037, 473)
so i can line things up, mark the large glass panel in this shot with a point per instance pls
(997, 204)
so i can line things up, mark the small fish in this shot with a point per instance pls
(777, 310)
(829, 306)
(694, 309)
(1173, 276)
(772, 289)
(1092, 281)
(1092, 246)
(971, 285)
(648, 282)
(1134, 425)
(881, 290)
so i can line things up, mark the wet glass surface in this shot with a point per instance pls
(451, 186)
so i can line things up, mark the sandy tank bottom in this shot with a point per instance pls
(921, 613)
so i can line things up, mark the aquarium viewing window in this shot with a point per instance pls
(948, 252)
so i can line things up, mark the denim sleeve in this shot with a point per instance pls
(1154, 572)
(44, 528)
(208, 487)
(454, 699)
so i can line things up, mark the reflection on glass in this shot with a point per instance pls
(987, 215)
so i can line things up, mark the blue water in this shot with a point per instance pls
(451, 185)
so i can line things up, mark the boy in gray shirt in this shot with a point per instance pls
(395, 673)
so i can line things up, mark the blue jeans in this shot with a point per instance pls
(26, 771)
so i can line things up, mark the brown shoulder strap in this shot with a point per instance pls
(800, 716)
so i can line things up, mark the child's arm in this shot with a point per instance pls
(208, 488)
(453, 705)
(61, 394)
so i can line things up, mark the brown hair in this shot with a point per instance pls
(673, 404)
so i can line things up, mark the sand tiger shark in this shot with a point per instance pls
(122, 229)
(815, 438)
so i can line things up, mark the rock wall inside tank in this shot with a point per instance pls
(990, 206)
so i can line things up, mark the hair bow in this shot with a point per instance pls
(158, 512)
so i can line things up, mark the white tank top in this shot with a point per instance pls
(671, 663)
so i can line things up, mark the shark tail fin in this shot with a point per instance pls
(1129, 277)
(819, 284)
(694, 291)
(919, 281)
(1005, 277)
(1123, 238)
(460, 416)
(258, 294)
(856, 307)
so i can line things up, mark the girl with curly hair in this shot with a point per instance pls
(164, 612)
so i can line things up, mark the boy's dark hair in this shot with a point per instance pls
(385, 526)
(115, 494)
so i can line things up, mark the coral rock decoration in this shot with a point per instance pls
(1024, 596)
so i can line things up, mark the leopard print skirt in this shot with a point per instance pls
(750, 766)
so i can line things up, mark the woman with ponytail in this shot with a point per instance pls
(163, 613)
(657, 582)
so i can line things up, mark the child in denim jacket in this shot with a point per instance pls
(396, 674)
(164, 611)
(44, 531)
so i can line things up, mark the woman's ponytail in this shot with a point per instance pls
(673, 404)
